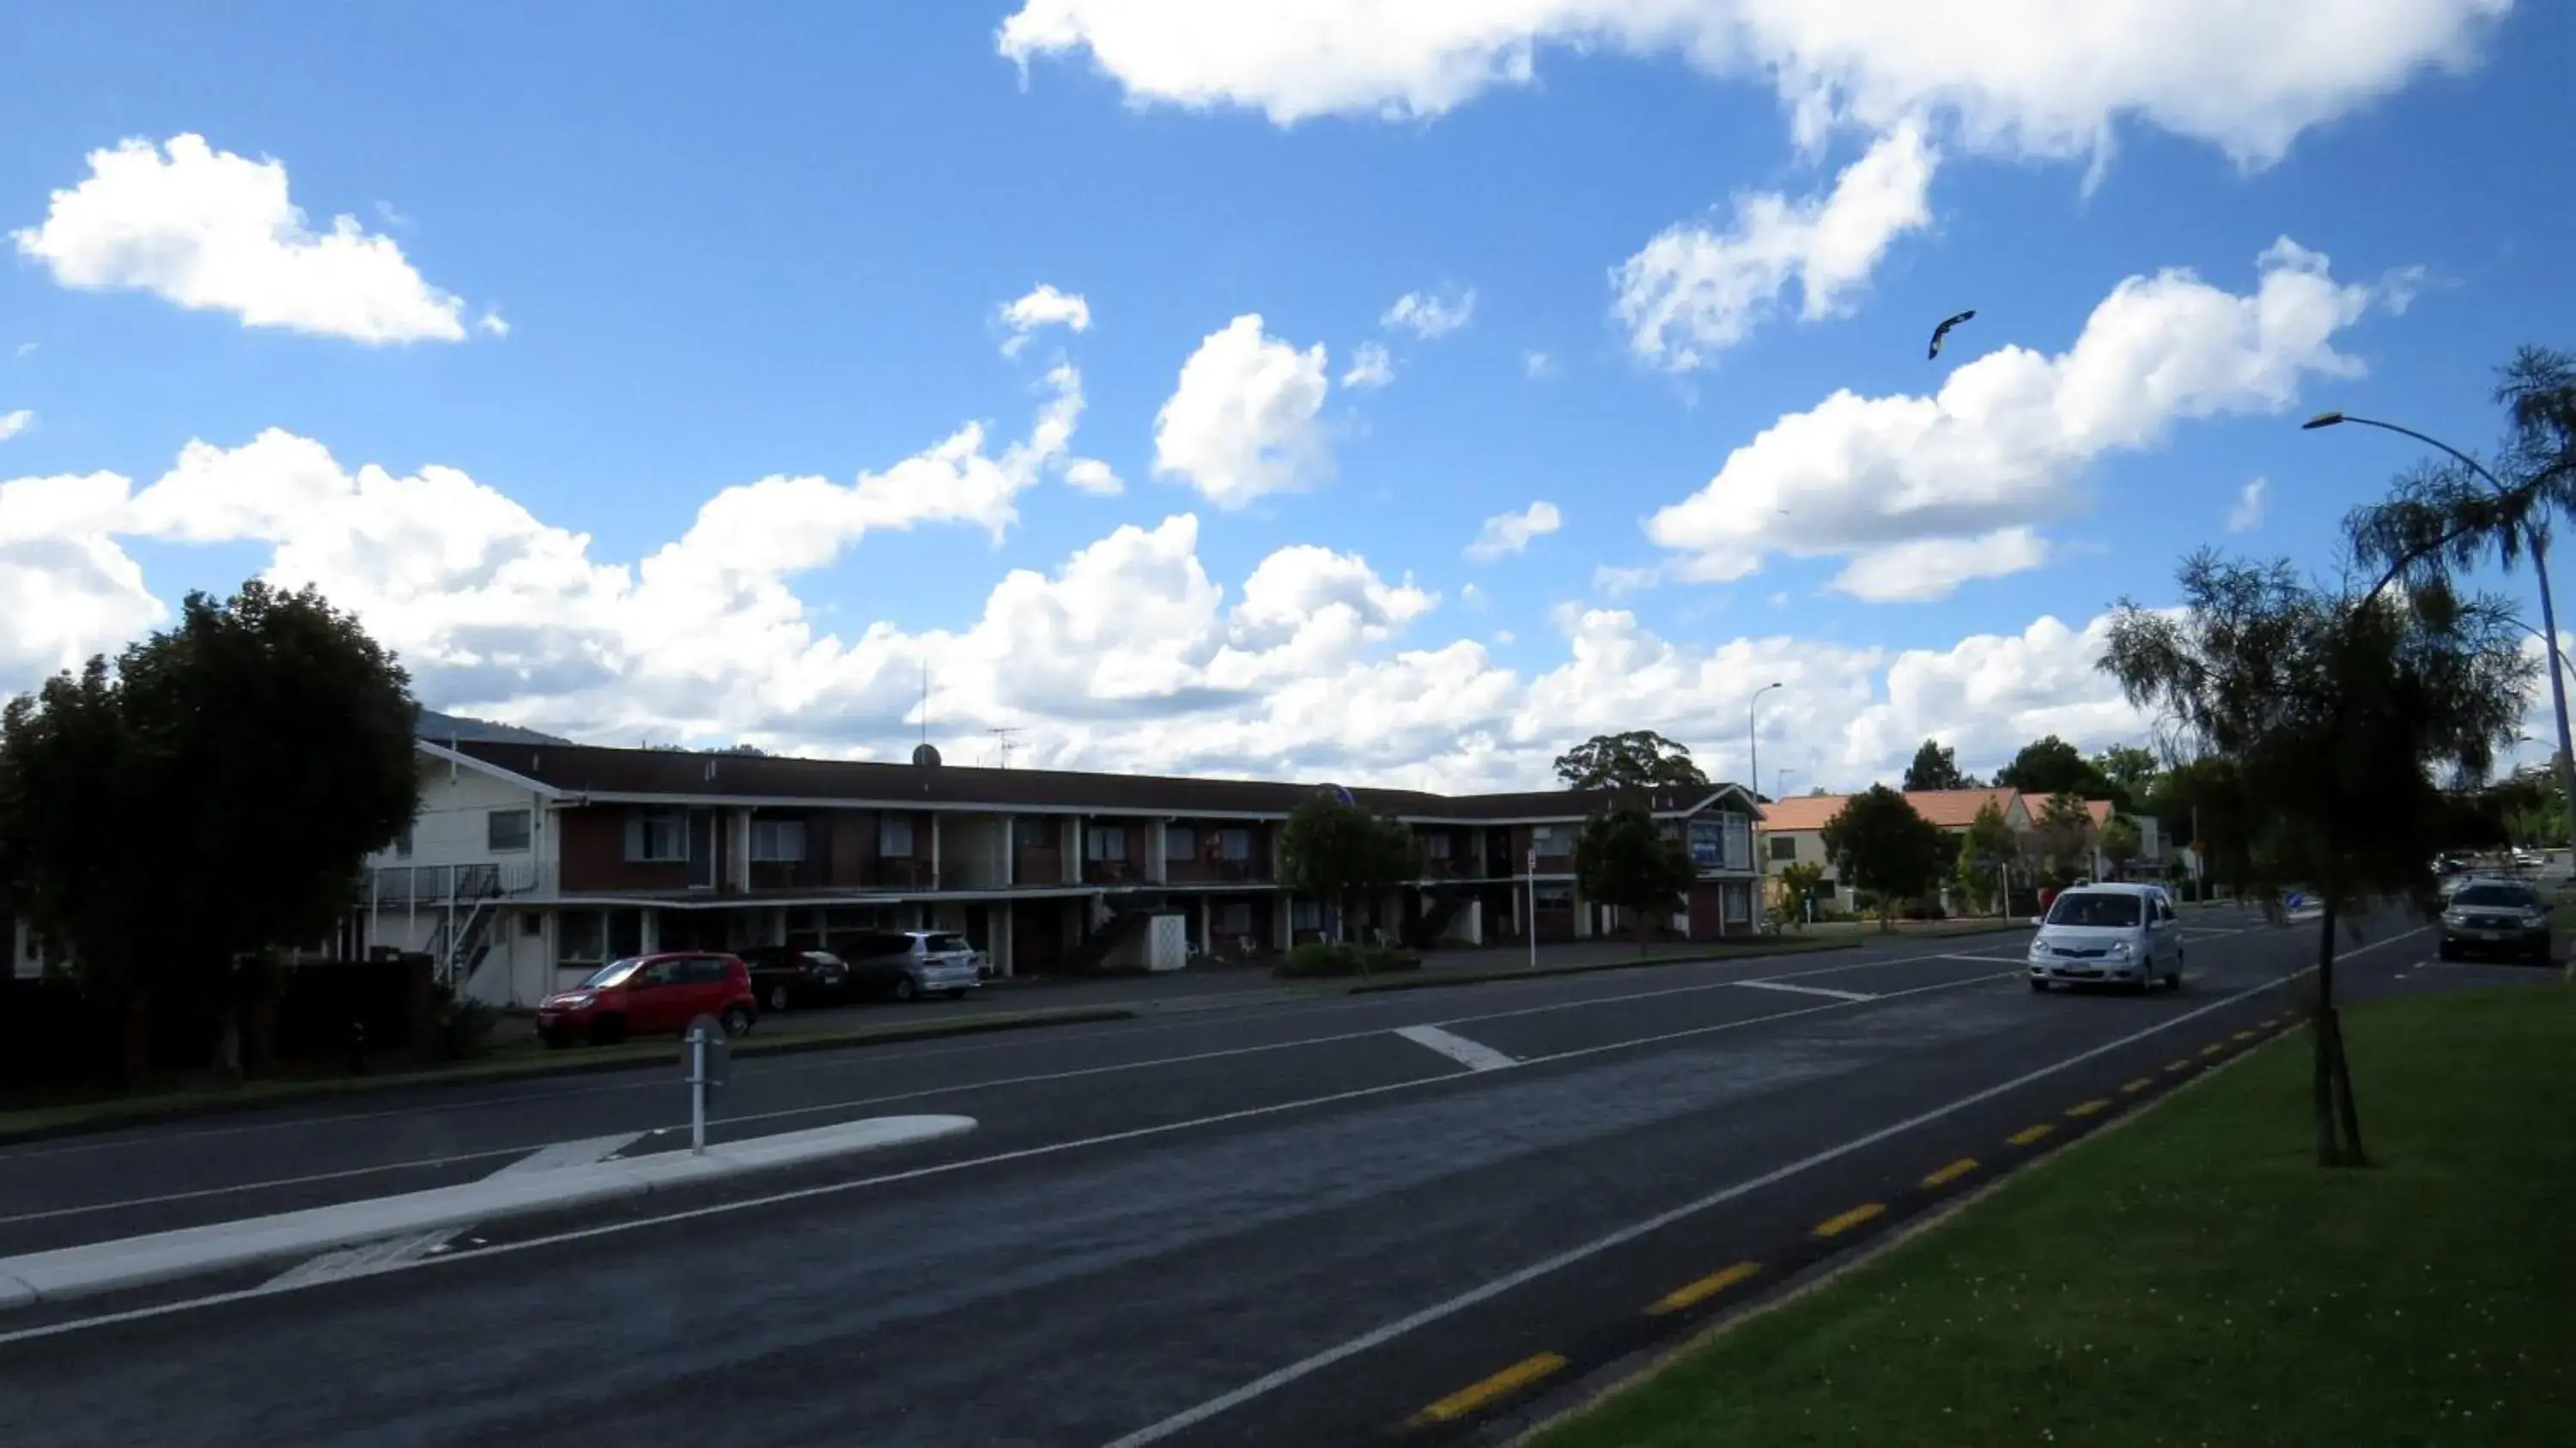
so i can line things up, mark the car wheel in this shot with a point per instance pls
(958, 994)
(608, 1030)
(2448, 951)
(778, 998)
(556, 1040)
(736, 1020)
(905, 990)
(2038, 986)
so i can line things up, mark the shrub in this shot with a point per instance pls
(464, 1023)
(1322, 960)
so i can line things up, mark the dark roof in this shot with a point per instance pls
(588, 769)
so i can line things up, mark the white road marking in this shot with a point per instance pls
(1191, 1417)
(398, 1251)
(1473, 1055)
(1992, 959)
(572, 1153)
(1813, 990)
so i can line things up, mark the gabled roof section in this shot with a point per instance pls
(1951, 809)
(464, 757)
(673, 774)
(2037, 805)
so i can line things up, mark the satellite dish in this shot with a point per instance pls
(926, 756)
(1339, 795)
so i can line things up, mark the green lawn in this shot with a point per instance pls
(2191, 1278)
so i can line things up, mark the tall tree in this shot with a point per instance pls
(1337, 852)
(1638, 759)
(2061, 839)
(2336, 711)
(1986, 854)
(2120, 843)
(215, 797)
(2129, 770)
(1622, 858)
(2050, 765)
(1879, 843)
(1936, 766)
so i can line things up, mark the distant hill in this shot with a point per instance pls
(439, 728)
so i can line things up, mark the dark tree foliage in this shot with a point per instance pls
(1936, 766)
(2050, 765)
(212, 797)
(1622, 858)
(1639, 759)
(1881, 844)
(2337, 714)
(1338, 852)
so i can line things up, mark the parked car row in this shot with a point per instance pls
(660, 994)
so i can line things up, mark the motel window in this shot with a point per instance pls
(1180, 842)
(1552, 839)
(1105, 842)
(656, 837)
(1033, 834)
(778, 840)
(894, 836)
(1234, 844)
(1435, 847)
(1234, 918)
(1784, 847)
(1305, 915)
(506, 831)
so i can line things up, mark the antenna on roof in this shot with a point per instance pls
(1002, 746)
(925, 700)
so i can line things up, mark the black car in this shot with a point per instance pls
(2496, 917)
(784, 976)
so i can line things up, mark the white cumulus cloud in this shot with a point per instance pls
(1506, 534)
(211, 230)
(14, 423)
(2247, 515)
(1244, 419)
(1429, 314)
(1692, 292)
(1370, 366)
(1929, 568)
(2011, 75)
(1043, 306)
(2004, 443)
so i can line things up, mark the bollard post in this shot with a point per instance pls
(698, 1091)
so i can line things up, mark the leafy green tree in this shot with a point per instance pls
(1639, 759)
(2336, 710)
(1622, 858)
(1986, 851)
(1801, 882)
(2128, 770)
(2120, 843)
(1936, 766)
(2061, 839)
(2050, 765)
(1338, 852)
(1879, 843)
(214, 797)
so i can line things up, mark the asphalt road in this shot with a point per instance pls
(1280, 1224)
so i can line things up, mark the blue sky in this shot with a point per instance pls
(734, 246)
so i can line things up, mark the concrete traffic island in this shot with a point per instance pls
(101, 1267)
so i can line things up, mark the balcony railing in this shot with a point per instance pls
(438, 884)
(1111, 872)
(1216, 872)
(1449, 867)
(896, 872)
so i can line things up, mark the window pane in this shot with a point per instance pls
(625, 932)
(1033, 834)
(1784, 847)
(894, 836)
(580, 937)
(1105, 843)
(1180, 842)
(506, 829)
(1236, 844)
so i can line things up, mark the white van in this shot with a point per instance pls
(2108, 935)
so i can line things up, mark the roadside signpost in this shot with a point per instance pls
(706, 1059)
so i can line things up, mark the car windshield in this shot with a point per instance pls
(2109, 910)
(613, 973)
(943, 944)
(2502, 896)
(822, 957)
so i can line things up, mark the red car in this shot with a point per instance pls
(648, 995)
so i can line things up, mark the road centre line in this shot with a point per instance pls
(1813, 990)
(1495, 1287)
(417, 1164)
(1386, 1333)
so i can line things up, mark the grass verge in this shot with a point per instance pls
(513, 1062)
(1451, 975)
(2194, 1278)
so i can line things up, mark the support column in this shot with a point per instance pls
(1003, 916)
(1207, 941)
(934, 849)
(1153, 871)
(1071, 854)
(650, 930)
(741, 857)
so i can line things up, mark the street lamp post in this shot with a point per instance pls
(1753, 743)
(2540, 570)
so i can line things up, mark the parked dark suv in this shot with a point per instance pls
(2496, 917)
(783, 976)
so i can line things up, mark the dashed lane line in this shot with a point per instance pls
(1477, 1394)
(1692, 1294)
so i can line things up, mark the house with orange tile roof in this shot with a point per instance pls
(1792, 831)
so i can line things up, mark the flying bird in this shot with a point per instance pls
(1943, 330)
